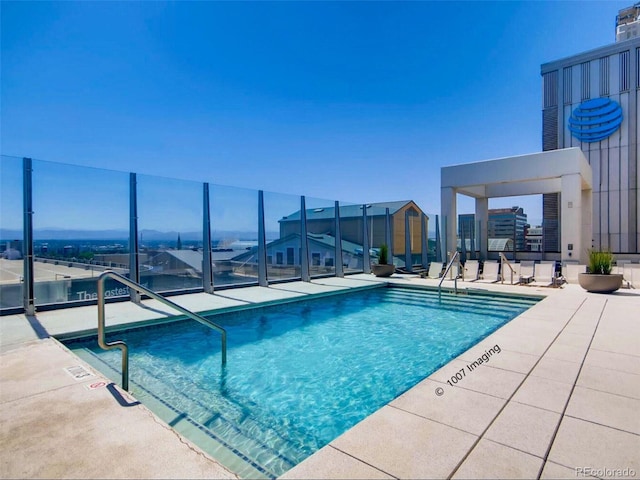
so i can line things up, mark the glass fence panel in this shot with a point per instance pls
(433, 237)
(282, 221)
(234, 235)
(11, 233)
(351, 231)
(80, 229)
(415, 237)
(169, 233)
(321, 236)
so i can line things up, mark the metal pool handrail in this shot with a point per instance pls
(139, 288)
(446, 270)
(503, 261)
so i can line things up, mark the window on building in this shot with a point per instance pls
(269, 259)
(604, 76)
(315, 259)
(624, 71)
(585, 80)
(568, 85)
(328, 262)
(279, 258)
(290, 256)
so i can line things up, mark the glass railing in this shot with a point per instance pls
(169, 233)
(283, 231)
(152, 229)
(11, 233)
(234, 235)
(321, 236)
(80, 229)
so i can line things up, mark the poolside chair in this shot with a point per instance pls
(619, 266)
(631, 275)
(435, 270)
(470, 271)
(545, 275)
(506, 273)
(526, 271)
(489, 272)
(571, 270)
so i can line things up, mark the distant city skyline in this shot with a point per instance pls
(351, 101)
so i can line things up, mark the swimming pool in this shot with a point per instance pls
(300, 374)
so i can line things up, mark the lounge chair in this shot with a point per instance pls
(631, 274)
(544, 275)
(571, 270)
(619, 266)
(526, 271)
(490, 272)
(506, 273)
(435, 270)
(470, 271)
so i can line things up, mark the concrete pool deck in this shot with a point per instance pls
(560, 400)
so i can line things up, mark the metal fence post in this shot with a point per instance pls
(29, 301)
(207, 256)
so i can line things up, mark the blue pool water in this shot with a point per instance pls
(300, 374)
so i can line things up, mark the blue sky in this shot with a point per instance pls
(352, 101)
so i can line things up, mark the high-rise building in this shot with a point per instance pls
(591, 101)
(509, 223)
(628, 23)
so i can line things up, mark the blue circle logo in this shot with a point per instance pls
(595, 120)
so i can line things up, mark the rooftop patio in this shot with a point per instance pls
(560, 401)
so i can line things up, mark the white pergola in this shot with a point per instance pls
(565, 171)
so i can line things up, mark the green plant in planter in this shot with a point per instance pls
(600, 262)
(383, 256)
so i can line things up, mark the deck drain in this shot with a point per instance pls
(78, 372)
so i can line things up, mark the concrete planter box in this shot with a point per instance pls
(598, 283)
(385, 270)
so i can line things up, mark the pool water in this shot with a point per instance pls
(300, 374)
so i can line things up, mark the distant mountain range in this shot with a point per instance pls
(145, 235)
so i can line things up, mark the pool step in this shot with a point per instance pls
(230, 438)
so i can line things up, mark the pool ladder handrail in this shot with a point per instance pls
(503, 261)
(456, 256)
(139, 288)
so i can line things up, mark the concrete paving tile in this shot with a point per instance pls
(330, 463)
(483, 379)
(606, 409)
(577, 340)
(554, 471)
(569, 353)
(522, 343)
(16, 329)
(35, 368)
(73, 432)
(490, 460)
(611, 381)
(584, 445)
(517, 418)
(610, 340)
(613, 361)
(577, 329)
(506, 359)
(405, 445)
(543, 393)
(458, 407)
(558, 370)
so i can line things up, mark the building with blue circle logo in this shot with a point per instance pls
(591, 101)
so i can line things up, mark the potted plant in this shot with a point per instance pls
(383, 268)
(599, 278)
